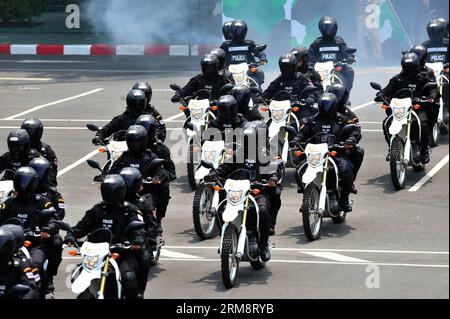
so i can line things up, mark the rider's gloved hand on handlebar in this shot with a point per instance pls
(69, 240)
(273, 182)
(175, 99)
(211, 177)
(96, 140)
(379, 97)
(350, 141)
(310, 101)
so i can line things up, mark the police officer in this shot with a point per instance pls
(306, 70)
(114, 213)
(19, 154)
(242, 95)
(160, 192)
(136, 105)
(328, 120)
(54, 244)
(330, 47)
(422, 53)
(145, 87)
(411, 78)
(222, 56)
(26, 205)
(264, 167)
(35, 129)
(15, 268)
(437, 44)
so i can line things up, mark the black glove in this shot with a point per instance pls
(260, 100)
(350, 141)
(310, 101)
(210, 178)
(69, 240)
(379, 97)
(175, 99)
(96, 140)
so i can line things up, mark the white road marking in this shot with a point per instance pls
(335, 257)
(54, 103)
(26, 79)
(51, 127)
(53, 61)
(371, 130)
(367, 122)
(60, 120)
(98, 70)
(362, 106)
(328, 250)
(169, 119)
(80, 161)
(174, 254)
(430, 174)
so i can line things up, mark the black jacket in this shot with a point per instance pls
(161, 131)
(252, 114)
(7, 161)
(313, 78)
(47, 152)
(52, 194)
(119, 123)
(163, 152)
(200, 82)
(18, 271)
(322, 50)
(116, 219)
(437, 51)
(242, 51)
(293, 86)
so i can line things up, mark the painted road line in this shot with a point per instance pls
(362, 106)
(430, 174)
(99, 71)
(80, 128)
(364, 130)
(377, 251)
(169, 119)
(54, 103)
(174, 254)
(335, 256)
(80, 161)
(59, 120)
(26, 79)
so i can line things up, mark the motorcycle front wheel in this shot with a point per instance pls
(396, 163)
(229, 261)
(312, 221)
(204, 220)
(190, 166)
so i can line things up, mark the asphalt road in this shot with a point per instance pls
(401, 236)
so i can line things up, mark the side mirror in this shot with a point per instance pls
(405, 51)
(351, 50)
(255, 90)
(309, 89)
(175, 87)
(63, 225)
(207, 165)
(290, 130)
(17, 292)
(133, 226)
(13, 221)
(44, 215)
(190, 126)
(376, 86)
(94, 164)
(156, 162)
(226, 88)
(429, 86)
(348, 130)
(92, 127)
(261, 48)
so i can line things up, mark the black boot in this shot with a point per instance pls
(425, 155)
(265, 251)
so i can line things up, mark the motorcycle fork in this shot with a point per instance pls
(103, 280)
(322, 202)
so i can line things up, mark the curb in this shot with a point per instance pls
(105, 49)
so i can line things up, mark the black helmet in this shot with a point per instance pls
(328, 27)
(150, 124)
(227, 108)
(288, 65)
(210, 65)
(7, 244)
(242, 95)
(445, 26)
(17, 232)
(136, 101)
(35, 129)
(421, 52)
(342, 95)
(221, 55)
(144, 87)
(302, 55)
(133, 180)
(42, 167)
(136, 139)
(25, 181)
(238, 30)
(19, 143)
(226, 30)
(436, 30)
(328, 105)
(113, 189)
(411, 64)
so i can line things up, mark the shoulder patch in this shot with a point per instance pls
(48, 204)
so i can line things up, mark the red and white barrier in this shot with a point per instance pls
(105, 49)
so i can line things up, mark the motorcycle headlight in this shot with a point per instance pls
(278, 115)
(234, 197)
(239, 77)
(90, 262)
(399, 112)
(314, 159)
(323, 75)
(197, 113)
(210, 156)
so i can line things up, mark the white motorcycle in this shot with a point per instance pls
(98, 276)
(201, 113)
(329, 71)
(6, 188)
(320, 178)
(404, 148)
(442, 80)
(206, 198)
(240, 236)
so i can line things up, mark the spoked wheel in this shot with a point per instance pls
(312, 220)
(397, 165)
(229, 261)
(157, 253)
(204, 219)
(191, 167)
(339, 218)
(435, 135)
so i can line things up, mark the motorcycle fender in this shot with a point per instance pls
(323, 198)
(275, 127)
(83, 281)
(190, 133)
(201, 172)
(396, 126)
(285, 152)
(310, 174)
(231, 212)
(241, 241)
(25, 251)
(215, 200)
(113, 263)
(407, 154)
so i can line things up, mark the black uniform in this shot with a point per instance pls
(200, 82)
(427, 113)
(324, 50)
(161, 131)
(116, 219)
(293, 87)
(27, 209)
(8, 161)
(47, 152)
(356, 154)
(437, 51)
(18, 271)
(119, 123)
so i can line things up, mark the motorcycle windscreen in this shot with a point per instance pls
(400, 108)
(201, 172)
(5, 188)
(236, 194)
